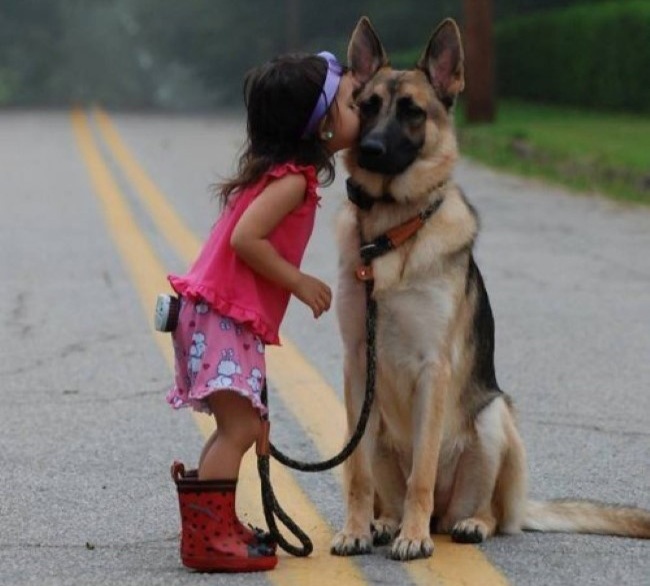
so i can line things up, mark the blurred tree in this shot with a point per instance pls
(220, 40)
(103, 60)
(192, 53)
(29, 30)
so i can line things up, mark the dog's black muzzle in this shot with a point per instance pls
(389, 152)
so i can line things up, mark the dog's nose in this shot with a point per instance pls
(372, 147)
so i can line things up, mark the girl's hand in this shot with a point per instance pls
(314, 293)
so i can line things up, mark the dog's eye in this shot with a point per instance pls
(409, 111)
(371, 106)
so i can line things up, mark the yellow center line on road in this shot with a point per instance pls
(148, 276)
(167, 221)
(300, 385)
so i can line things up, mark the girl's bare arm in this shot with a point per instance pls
(250, 242)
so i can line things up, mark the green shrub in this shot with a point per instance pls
(8, 85)
(594, 55)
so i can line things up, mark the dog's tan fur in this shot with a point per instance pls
(442, 439)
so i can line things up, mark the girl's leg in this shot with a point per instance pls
(206, 447)
(249, 534)
(238, 426)
(213, 538)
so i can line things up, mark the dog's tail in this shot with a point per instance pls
(587, 517)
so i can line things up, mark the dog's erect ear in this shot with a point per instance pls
(365, 52)
(442, 61)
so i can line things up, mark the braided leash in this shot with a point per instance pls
(265, 448)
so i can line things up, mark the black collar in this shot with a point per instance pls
(360, 198)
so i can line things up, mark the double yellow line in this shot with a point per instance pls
(451, 564)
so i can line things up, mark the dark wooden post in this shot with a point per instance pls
(479, 61)
(292, 31)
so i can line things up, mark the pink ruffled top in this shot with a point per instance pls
(220, 278)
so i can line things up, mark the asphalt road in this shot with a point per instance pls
(86, 438)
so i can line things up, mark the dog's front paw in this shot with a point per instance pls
(405, 549)
(384, 530)
(350, 544)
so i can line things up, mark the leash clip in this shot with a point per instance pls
(263, 443)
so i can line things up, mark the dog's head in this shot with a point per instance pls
(405, 116)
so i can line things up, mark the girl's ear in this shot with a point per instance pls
(365, 52)
(325, 132)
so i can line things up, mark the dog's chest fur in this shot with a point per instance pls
(412, 321)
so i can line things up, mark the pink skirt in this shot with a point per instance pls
(214, 353)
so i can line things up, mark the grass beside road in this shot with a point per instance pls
(584, 150)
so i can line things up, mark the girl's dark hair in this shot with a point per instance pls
(280, 97)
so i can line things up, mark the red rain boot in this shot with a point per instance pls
(247, 533)
(210, 541)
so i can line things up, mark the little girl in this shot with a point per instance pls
(300, 112)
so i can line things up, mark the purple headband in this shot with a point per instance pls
(328, 92)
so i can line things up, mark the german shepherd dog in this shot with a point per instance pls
(441, 450)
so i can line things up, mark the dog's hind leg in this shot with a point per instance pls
(471, 517)
(510, 495)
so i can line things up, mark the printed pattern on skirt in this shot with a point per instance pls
(214, 353)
